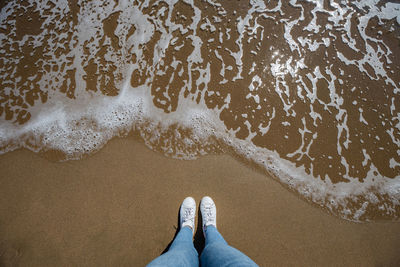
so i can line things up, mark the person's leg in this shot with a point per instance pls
(217, 252)
(181, 252)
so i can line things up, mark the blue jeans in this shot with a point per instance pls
(216, 252)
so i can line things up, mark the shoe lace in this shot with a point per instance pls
(188, 215)
(209, 213)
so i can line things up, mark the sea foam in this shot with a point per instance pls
(308, 91)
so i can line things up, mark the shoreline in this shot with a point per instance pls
(119, 206)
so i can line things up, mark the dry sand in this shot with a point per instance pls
(119, 207)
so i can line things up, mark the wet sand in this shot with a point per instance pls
(119, 207)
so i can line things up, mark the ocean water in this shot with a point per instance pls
(309, 91)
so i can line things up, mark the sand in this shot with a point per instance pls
(119, 207)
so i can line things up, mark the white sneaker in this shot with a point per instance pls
(187, 213)
(208, 212)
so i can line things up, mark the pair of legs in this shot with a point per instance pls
(216, 252)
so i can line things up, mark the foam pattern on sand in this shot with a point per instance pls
(307, 90)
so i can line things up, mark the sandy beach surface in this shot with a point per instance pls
(119, 207)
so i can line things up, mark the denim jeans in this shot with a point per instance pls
(216, 252)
